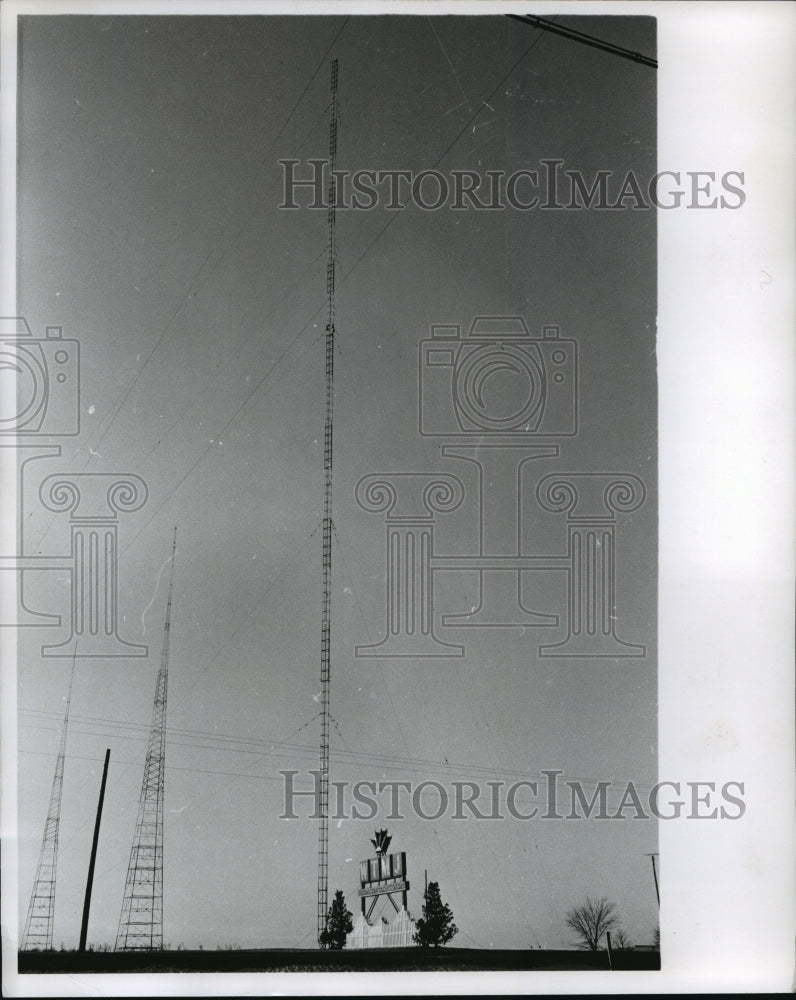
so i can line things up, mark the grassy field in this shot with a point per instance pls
(374, 960)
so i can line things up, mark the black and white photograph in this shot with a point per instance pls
(397, 425)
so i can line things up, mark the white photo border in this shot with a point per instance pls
(726, 437)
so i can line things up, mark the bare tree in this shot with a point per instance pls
(620, 939)
(591, 920)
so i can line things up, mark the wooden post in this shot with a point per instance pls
(655, 876)
(90, 879)
(610, 954)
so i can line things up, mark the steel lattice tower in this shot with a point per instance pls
(141, 920)
(38, 933)
(326, 610)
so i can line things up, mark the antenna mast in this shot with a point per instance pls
(141, 919)
(38, 933)
(323, 829)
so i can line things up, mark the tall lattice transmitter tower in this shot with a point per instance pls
(328, 527)
(141, 920)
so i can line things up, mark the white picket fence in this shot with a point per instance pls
(382, 933)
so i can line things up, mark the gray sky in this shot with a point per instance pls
(148, 227)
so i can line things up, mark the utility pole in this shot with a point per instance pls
(652, 858)
(90, 879)
(326, 608)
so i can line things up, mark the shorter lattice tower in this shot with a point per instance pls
(38, 933)
(141, 920)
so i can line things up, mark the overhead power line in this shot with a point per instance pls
(579, 36)
(214, 742)
(303, 783)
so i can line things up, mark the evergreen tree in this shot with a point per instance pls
(338, 924)
(436, 926)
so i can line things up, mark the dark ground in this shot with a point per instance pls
(374, 960)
